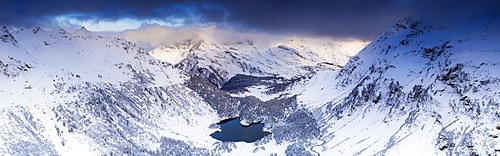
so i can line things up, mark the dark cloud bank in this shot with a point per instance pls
(362, 19)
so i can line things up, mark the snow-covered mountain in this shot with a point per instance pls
(68, 93)
(218, 62)
(417, 89)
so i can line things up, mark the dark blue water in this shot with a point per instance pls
(232, 130)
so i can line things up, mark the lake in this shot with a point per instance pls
(232, 130)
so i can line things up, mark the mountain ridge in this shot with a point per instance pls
(219, 62)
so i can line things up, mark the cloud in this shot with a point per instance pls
(362, 19)
(15, 13)
(457, 12)
(150, 36)
(153, 35)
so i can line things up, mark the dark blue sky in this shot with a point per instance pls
(363, 19)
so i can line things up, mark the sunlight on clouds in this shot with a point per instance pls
(150, 36)
(76, 21)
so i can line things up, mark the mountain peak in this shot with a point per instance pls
(83, 33)
(83, 30)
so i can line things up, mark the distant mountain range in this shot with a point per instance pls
(217, 62)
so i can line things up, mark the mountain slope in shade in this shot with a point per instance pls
(417, 89)
(218, 62)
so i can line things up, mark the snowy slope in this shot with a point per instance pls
(217, 62)
(82, 94)
(417, 89)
